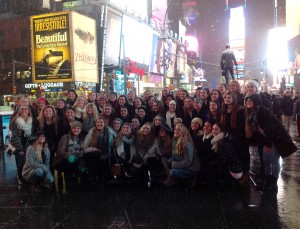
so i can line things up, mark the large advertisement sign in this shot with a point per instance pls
(113, 36)
(85, 48)
(163, 57)
(51, 48)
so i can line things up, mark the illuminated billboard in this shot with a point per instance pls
(85, 60)
(63, 48)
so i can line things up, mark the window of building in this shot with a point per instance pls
(4, 6)
(2, 37)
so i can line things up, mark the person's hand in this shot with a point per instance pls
(72, 159)
(267, 149)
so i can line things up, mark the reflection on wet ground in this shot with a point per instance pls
(129, 206)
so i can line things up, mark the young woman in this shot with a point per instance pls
(233, 119)
(60, 108)
(125, 116)
(125, 155)
(122, 101)
(79, 107)
(147, 148)
(215, 95)
(109, 114)
(263, 129)
(37, 166)
(21, 127)
(187, 111)
(97, 149)
(41, 102)
(214, 113)
(112, 99)
(198, 112)
(165, 140)
(69, 158)
(207, 155)
(234, 86)
(196, 133)
(226, 163)
(90, 116)
(171, 114)
(71, 97)
(64, 126)
(158, 120)
(92, 98)
(117, 124)
(135, 124)
(47, 122)
(185, 162)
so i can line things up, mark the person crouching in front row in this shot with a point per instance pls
(185, 163)
(37, 166)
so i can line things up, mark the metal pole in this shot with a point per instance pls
(163, 40)
(14, 76)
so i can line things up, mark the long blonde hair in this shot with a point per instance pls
(42, 119)
(183, 139)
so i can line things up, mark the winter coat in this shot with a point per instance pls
(188, 159)
(287, 106)
(274, 132)
(32, 164)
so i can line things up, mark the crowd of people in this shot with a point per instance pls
(178, 138)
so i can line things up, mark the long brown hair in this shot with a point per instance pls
(235, 108)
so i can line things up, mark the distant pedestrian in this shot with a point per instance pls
(287, 109)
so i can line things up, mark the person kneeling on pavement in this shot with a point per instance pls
(37, 166)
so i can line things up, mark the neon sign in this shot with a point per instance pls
(132, 68)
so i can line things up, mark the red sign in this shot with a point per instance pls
(132, 68)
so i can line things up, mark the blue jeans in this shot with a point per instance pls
(271, 162)
(182, 173)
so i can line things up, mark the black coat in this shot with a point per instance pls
(275, 133)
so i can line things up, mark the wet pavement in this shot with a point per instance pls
(130, 206)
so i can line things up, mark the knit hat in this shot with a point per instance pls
(43, 100)
(256, 99)
(255, 83)
(119, 120)
(199, 100)
(76, 124)
(198, 120)
(172, 102)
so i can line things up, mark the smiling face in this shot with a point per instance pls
(41, 138)
(116, 125)
(60, 104)
(122, 101)
(71, 95)
(214, 95)
(48, 112)
(92, 96)
(207, 128)
(107, 110)
(157, 121)
(70, 115)
(76, 130)
(216, 130)
(250, 89)
(146, 129)
(213, 106)
(126, 130)
(100, 124)
(228, 99)
(195, 125)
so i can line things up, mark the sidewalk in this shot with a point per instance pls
(126, 206)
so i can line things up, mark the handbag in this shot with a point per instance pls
(116, 170)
